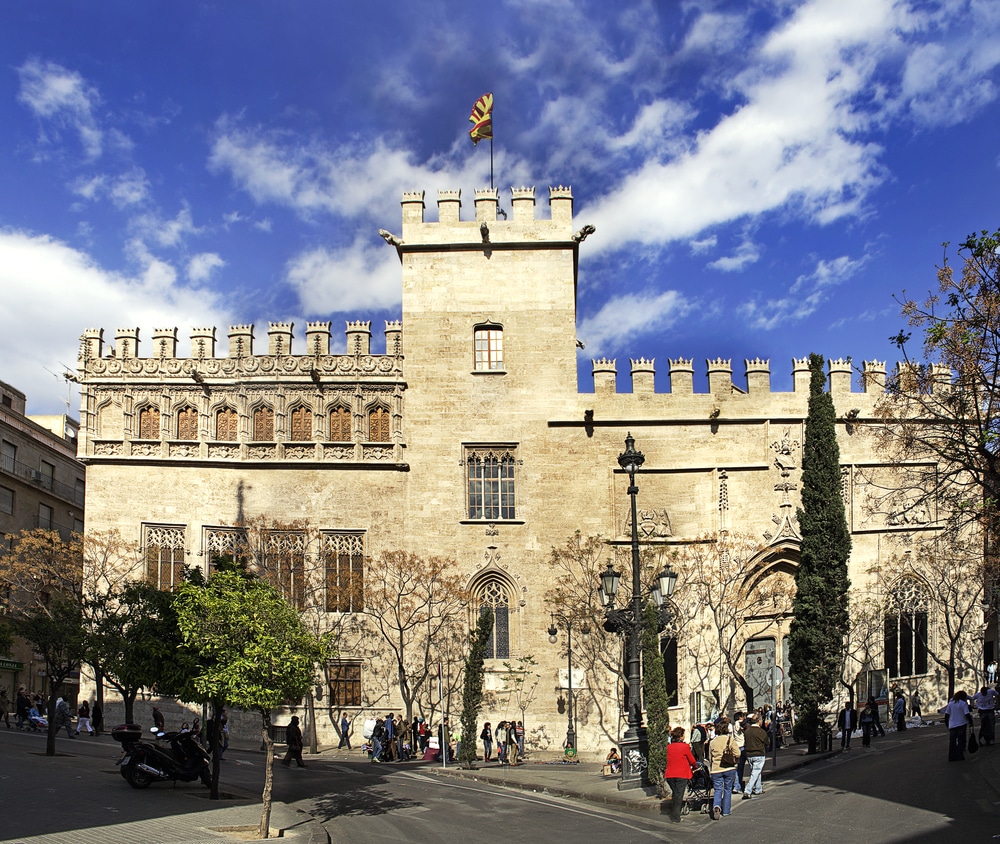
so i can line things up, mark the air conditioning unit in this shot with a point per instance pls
(36, 476)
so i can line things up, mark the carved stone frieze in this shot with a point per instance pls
(183, 450)
(224, 451)
(262, 452)
(381, 365)
(300, 452)
(338, 452)
(377, 452)
(108, 449)
(145, 449)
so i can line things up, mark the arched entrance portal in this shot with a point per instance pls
(771, 579)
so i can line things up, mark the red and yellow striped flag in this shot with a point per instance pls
(482, 119)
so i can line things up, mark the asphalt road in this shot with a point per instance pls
(903, 792)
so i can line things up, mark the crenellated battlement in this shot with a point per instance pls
(757, 372)
(525, 223)
(315, 360)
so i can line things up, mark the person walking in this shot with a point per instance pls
(755, 744)
(158, 720)
(899, 712)
(97, 718)
(83, 719)
(986, 703)
(293, 741)
(722, 756)
(847, 723)
(5, 707)
(957, 718)
(677, 774)
(868, 720)
(345, 731)
(22, 705)
(64, 718)
(487, 736)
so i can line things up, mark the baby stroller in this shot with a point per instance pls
(699, 790)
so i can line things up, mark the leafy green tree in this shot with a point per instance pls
(654, 690)
(249, 649)
(472, 690)
(816, 639)
(134, 639)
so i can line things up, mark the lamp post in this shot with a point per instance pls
(570, 705)
(628, 621)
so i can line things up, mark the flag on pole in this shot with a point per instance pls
(482, 119)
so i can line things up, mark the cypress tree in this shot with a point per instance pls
(472, 689)
(820, 606)
(654, 690)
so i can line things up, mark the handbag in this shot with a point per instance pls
(728, 758)
(973, 742)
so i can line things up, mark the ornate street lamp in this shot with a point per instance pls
(628, 621)
(570, 704)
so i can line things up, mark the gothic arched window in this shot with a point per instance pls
(906, 629)
(493, 598)
(227, 424)
(378, 425)
(263, 424)
(340, 424)
(301, 424)
(187, 423)
(149, 423)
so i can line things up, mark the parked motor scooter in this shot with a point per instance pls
(173, 756)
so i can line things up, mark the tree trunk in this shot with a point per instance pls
(265, 816)
(313, 738)
(215, 743)
(50, 736)
(128, 701)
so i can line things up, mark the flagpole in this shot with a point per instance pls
(491, 163)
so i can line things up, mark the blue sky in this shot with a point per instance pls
(764, 177)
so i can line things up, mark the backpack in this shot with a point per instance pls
(728, 758)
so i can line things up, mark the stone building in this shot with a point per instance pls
(42, 485)
(465, 436)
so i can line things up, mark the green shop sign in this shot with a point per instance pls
(11, 665)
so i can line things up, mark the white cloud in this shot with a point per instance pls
(63, 99)
(804, 297)
(706, 244)
(630, 317)
(167, 233)
(127, 189)
(53, 292)
(361, 276)
(746, 253)
(202, 267)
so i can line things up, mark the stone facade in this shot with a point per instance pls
(482, 370)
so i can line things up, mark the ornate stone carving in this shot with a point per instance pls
(224, 451)
(300, 452)
(178, 450)
(376, 452)
(262, 452)
(108, 449)
(652, 524)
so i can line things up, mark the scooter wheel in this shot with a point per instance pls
(138, 778)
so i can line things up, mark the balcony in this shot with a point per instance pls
(30, 475)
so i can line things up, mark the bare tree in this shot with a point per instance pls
(412, 606)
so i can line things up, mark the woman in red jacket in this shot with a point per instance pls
(680, 763)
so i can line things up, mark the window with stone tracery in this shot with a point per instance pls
(906, 629)
(149, 423)
(263, 424)
(163, 550)
(228, 543)
(490, 482)
(227, 424)
(284, 564)
(492, 598)
(301, 424)
(187, 423)
(378, 425)
(343, 561)
(340, 424)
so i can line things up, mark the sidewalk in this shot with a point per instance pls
(583, 780)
